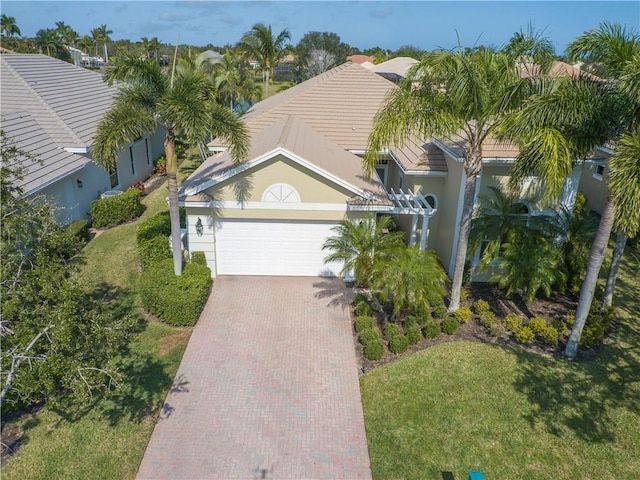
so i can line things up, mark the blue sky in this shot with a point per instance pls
(388, 24)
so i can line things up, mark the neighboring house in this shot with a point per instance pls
(359, 58)
(51, 109)
(393, 70)
(271, 214)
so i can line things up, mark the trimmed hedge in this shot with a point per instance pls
(363, 322)
(450, 325)
(374, 350)
(413, 334)
(80, 229)
(481, 306)
(112, 211)
(440, 311)
(432, 329)
(463, 314)
(399, 344)
(363, 308)
(199, 257)
(152, 239)
(175, 300)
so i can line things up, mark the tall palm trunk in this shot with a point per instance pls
(471, 170)
(266, 82)
(106, 54)
(621, 241)
(174, 212)
(598, 250)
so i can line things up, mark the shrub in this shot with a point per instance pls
(139, 185)
(399, 344)
(367, 336)
(199, 257)
(363, 323)
(423, 317)
(359, 297)
(570, 318)
(80, 229)
(537, 325)
(524, 335)
(497, 328)
(550, 336)
(432, 329)
(152, 239)
(440, 311)
(410, 321)
(481, 306)
(374, 350)
(177, 300)
(112, 211)
(435, 299)
(597, 325)
(488, 319)
(513, 322)
(160, 165)
(463, 314)
(413, 334)
(363, 308)
(450, 325)
(560, 325)
(391, 330)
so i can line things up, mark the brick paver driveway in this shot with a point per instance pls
(268, 388)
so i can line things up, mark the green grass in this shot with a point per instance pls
(512, 414)
(107, 438)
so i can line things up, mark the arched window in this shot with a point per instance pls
(280, 193)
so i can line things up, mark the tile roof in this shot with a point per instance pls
(360, 58)
(48, 105)
(398, 66)
(341, 104)
(295, 136)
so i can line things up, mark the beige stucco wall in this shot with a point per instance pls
(594, 188)
(311, 187)
(424, 185)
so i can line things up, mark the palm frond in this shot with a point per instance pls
(624, 183)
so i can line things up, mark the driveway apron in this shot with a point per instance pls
(267, 388)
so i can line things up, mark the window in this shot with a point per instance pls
(113, 177)
(381, 170)
(146, 147)
(133, 162)
(599, 172)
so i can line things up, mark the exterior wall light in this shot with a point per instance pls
(79, 182)
(199, 227)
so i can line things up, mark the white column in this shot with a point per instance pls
(414, 228)
(423, 233)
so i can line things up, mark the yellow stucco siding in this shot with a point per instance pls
(424, 185)
(311, 187)
(594, 187)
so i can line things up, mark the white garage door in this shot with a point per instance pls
(250, 247)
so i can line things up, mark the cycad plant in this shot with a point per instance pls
(409, 277)
(361, 245)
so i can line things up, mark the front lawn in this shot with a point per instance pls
(107, 438)
(511, 413)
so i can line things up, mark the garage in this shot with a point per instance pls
(273, 247)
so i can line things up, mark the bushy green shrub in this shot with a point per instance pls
(410, 321)
(450, 325)
(363, 322)
(537, 325)
(368, 335)
(199, 257)
(399, 344)
(560, 325)
(524, 335)
(363, 308)
(391, 330)
(570, 318)
(177, 300)
(374, 350)
(481, 306)
(488, 319)
(597, 325)
(152, 239)
(463, 314)
(423, 317)
(550, 336)
(359, 297)
(440, 311)
(413, 334)
(80, 229)
(435, 299)
(513, 322)
(112, 211)
(432, 329)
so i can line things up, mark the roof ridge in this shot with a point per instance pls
(72, 135)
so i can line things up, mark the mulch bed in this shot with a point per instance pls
(548, 308)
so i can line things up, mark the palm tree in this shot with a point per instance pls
(8, 26)
(571, 117)
(184, 102)
(101, 35)
(268, 50)
(235, 85)
(410, 276)
(85, 43)
(460, 92)
(67, 34)
(49, 41)
(361, 245)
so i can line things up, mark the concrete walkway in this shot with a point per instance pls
(268, 388)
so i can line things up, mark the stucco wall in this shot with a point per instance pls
(594, 188)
